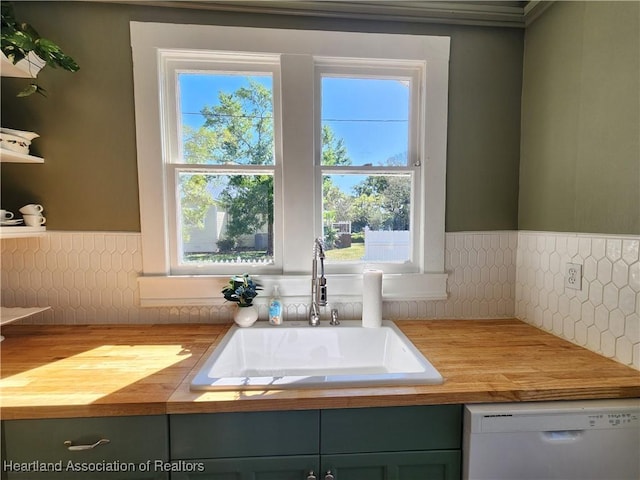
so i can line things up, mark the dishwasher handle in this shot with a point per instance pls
(563, 436)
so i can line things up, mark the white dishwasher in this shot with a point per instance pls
(569, 440)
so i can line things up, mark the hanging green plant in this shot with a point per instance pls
(19, 39)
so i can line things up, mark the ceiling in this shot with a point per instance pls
(485, 13)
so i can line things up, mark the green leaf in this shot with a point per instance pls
(27, 29)
(53, 55)
(8, 17)
(31, 89)
(19, 40)
(13, 54)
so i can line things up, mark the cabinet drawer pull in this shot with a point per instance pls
(329, 476)
(77, 448)
(311, 476)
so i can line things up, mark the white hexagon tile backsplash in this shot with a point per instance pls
(603, 315)
(91, 277)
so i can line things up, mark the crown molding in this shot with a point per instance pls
(534, 9)
(478, 13)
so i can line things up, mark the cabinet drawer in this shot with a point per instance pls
(132, 440)
(391, 429)
(245, 434)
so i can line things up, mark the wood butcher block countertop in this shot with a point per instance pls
(108, 370)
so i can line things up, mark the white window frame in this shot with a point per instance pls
(172, 63)
(378, 69)
(298, 51)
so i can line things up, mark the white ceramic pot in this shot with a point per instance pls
(245, 316)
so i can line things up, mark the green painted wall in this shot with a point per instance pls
(89, 179)
(580, 148)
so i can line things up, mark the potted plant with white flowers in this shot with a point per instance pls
(241, 289)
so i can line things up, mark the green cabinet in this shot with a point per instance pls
(244, 434)
(391, 429)
(133, 448)
(430, 465)
(425, 465)
(245, 446)
(392, 443)
(386, 443)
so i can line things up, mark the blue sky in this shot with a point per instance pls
(369, 114)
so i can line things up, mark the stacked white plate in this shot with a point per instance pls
(16, 140)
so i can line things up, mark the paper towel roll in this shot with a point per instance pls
(372, 298)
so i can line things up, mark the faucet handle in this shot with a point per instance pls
(322, 292)
(334, 317)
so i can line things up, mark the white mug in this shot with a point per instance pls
(31, 209)
(6, 215)
(34, 220)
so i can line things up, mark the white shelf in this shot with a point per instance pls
(8, 156)
(21, 231)
(12, 314)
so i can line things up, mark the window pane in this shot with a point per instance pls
(366, 118)
(367, 217)
(226, 118)
(225, 218)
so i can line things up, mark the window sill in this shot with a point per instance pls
(171, 291)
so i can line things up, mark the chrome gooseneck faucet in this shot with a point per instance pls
(318, 283)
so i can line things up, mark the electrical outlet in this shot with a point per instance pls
(573, 276)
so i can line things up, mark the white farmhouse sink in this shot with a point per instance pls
(295, 355)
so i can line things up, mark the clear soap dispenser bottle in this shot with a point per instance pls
(275, 307)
